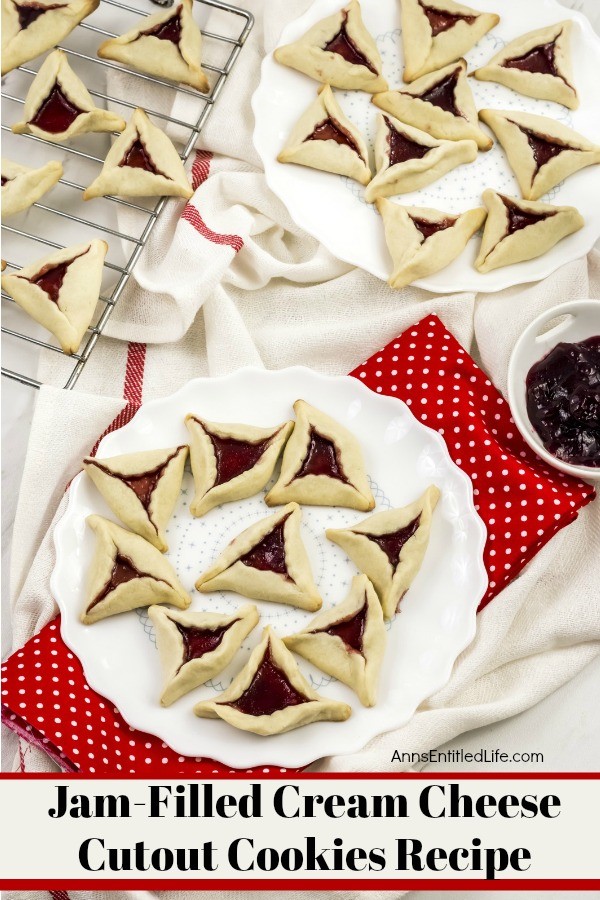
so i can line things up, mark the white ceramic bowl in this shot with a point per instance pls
(575, 321)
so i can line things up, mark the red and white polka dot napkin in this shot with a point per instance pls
(45, 697)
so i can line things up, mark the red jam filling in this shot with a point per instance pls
(544, 149)
(137, 157)
(144, 484)
(563, 401)
(167, 31)
(56, 113)
(268, 692)
(428, 228)
(519, 218)
(350, 630)
(198, 641)
(322, 458)
(233, 456)
(441, 19)
(331, 131)
(50, 278)
(442, 94)
(269, 554)
(123, 571)
(401, 146)
(392, 543)
(29, 12)
(4, 180)
(344, 46)
(539, 59)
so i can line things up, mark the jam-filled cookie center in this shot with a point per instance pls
(57, 113)
(443, 94)
(199, 641)
(123, 570)
(518, 218)
(30, 12)
(442, 19)
(393, 542)
(350, 629)
(342, 44)
(137, 157)
(50, 278)
(167, 31)
(269, 554)
(269, 691)
(330, 130)
(540, 59)
(233, 456)
(428, 228)
(401, 147)
(322, 458)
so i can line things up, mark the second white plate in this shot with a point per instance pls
(437, 619)
(333, 209)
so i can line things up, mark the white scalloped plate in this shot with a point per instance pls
(438, 613)
(333, 209)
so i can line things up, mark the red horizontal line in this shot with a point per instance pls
(307, 776)
(276, 884)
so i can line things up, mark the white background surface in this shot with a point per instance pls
(565, 726)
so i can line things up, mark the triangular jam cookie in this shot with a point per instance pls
(437, 32)
(322, 464)
(267, 561)
(389, 547)
(347, 641)
(61, 291)
(195, 646)
(517, 230)
(537, 64)
(142, 162)
(423, 241)
(338, 51)
(167, 44)
(323, 138)
(270, 695)
(141, 488)
(22, 186)
(30, 27)
(231, 462)
(127, 572)
(541, 151)
(440, 103)
(58, 105)
(408, 159)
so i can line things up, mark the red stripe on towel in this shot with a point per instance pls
(132, 390)
(191, 215)
(200, 167)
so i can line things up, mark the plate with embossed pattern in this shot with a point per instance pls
(437, 618)
(332, 208)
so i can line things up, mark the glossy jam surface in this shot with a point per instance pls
(123, 570)
(56, 113)
(331, 131)
(519, 218)
(50, 279)
(401, 146)
(344, 46)
(5, 180)
(442, 94)
(269, 691)
(539, 59)
(137, 157)
(441, 20)
(392, 543)
(350, 630)
(544, 149)
(428, 228)
(167, 31)
(144, 484)
(269, 554)
(563, 401)
(29, 12)
(322, 458)
(233, 457)
(198, 641)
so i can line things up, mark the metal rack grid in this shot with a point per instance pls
(148, 215)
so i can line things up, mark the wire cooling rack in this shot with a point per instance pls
(62, 217)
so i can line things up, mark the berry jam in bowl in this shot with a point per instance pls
(554, 387)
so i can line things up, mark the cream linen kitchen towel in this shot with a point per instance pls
(234, 282)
